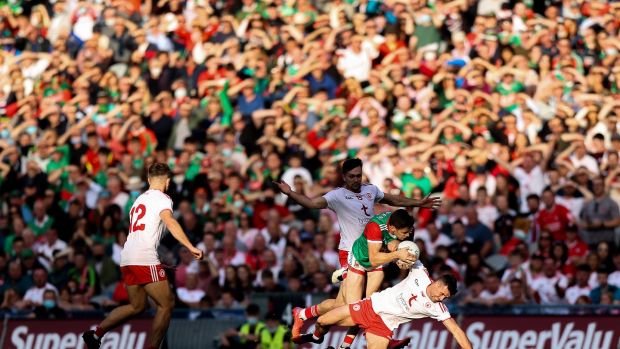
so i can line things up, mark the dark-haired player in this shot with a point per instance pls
(142, 272)
(415, 297)
(354, 205)
(377, 246)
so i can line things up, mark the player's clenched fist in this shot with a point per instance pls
(196, 252)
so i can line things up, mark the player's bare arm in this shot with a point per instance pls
(378, 258)
(402, 201)
(316, 203)
(393, 246)
(176, 231)
(457, 332)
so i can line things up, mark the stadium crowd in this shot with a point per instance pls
(507, 109)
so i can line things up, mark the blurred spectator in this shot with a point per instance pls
(614, 278)
(551, 286)
(518, 293)
(493, 292)
(83, 275)
(604, 287)
(432, 237)
(462, 245)
(190, 295)
(34, 295)
(478, 232)
(581, 287)
(16, 279)
(553, 218)
(599, 217)
(49, 309)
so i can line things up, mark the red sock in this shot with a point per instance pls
(311, 312)
(316, 334)
(99, 332)
(348, 340)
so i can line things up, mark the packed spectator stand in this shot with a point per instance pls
(507, 109)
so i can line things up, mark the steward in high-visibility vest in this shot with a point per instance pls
(248, 335)
(274, 335)
(250, 328)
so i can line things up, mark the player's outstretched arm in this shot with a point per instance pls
(457, 332)
(178, 233)
(402, 201)
(317, 203)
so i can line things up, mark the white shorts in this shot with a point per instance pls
(357, 268)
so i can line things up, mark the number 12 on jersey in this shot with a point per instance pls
(134, 225)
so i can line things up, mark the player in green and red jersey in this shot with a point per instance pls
(378, 245)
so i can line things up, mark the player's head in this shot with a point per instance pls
(401, 224)
(352, 174)
(442, 288)
(159, 175)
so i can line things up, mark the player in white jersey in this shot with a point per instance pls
(415, 297)
(140, 266)
(354, 206)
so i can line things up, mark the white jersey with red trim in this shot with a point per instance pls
(407, 300)
(353, 210)
(145, 229)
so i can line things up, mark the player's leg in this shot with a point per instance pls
(164, 300)
(354, 285)
(376, 342)
(354, 290)
(375, 278)
(329, 304)
(301, 315)
(340, 316)
(137, 303)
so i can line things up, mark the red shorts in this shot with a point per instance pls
(343, 256)
(363, 315)
(142, 274)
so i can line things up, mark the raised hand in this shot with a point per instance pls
(430, 202)
(284, 188)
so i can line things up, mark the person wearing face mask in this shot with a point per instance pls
(247, 335)
(35, 294)
(49, 309)
(275, 335)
